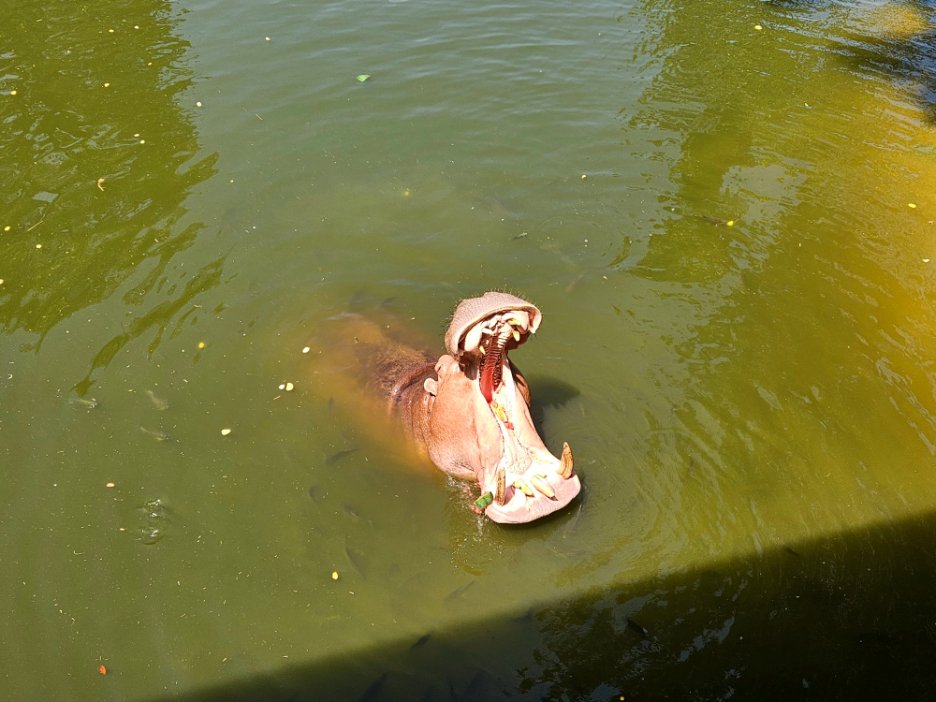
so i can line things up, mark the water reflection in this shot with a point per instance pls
(99, 158)
(96, 249)
(896, 40)
(800, 253)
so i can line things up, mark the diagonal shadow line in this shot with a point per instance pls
(842, 617)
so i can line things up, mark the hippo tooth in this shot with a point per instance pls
(473, 338)
(516, 335)
(566, 462)
(500, 494)
(519, 319)
(543, 487)
(523, 486)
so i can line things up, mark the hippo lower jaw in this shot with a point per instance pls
(528, 482)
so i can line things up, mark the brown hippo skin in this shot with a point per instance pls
(470, 411)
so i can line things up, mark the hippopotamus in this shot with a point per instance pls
(468, 410)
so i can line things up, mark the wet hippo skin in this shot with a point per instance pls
(469, 409)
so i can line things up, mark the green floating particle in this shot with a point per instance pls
(483, 501)
(362, 77)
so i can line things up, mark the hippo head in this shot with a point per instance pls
(480, 425)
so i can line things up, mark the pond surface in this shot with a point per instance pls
(725, 211)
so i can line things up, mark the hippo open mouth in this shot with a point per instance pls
(520, 479)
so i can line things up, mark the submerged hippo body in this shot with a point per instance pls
(469, 409)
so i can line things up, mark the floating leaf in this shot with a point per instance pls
(362, 77)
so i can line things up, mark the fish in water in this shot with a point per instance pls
(421, 641)
(158, 402)
(337, 456)
(156, 434)
(85, 402)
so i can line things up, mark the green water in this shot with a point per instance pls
(725, 211)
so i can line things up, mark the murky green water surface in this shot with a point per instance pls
(725, 211)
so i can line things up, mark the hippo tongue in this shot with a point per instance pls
(491, 368)
(487, 382)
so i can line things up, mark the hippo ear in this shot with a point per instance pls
(431, 385)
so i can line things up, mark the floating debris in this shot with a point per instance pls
(110, 485)
(362, 77)
(225, 431)
(334, 575)
(306, 349)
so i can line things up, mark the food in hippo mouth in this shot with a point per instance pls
(525, 484)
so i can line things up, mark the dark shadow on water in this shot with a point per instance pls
(551, 392)
(547, 391)
(898, 42)
(851, 616)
